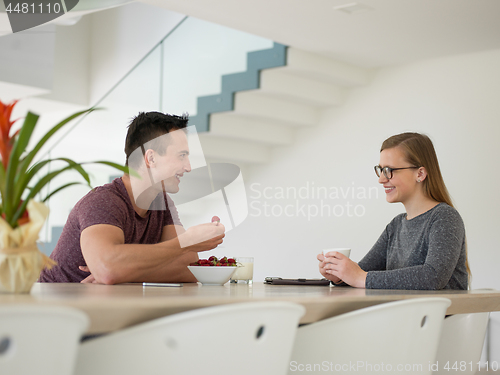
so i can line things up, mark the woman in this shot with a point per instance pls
(425, 247)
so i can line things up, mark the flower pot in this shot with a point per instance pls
(20, 260)
(20, 268)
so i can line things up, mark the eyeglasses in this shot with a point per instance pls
(388, 171)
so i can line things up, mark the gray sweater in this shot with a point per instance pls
(426, 252)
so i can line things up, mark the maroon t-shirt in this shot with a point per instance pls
(107, 204)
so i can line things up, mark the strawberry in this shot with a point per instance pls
(214, 262)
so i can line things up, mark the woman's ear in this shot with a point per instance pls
(149, 158)
(421, 174)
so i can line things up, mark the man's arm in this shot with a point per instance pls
(178, 271)
(111, 261)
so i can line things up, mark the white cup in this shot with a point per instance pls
(344, 250)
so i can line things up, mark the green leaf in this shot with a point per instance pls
(22, 184)
(16, 170)
(61, 188)
(49, 176)
(120, 167)
(17, 175)
(25, 179)
(2, 179)
(30, 156)
(20, 145)
(78, 167)
(35, 190)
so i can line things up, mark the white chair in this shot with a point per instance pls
(246, 338)
(39, 340)
(396, 337)
(461, 344)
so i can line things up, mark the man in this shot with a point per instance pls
(124, 231)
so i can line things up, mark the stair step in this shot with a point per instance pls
(324, 69)
(229, 125)
(261, 106)
(231, 150)
(235, 82)
(282, 83)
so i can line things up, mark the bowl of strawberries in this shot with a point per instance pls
(213, 271)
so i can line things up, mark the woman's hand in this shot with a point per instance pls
(322, 270)
(338, 266)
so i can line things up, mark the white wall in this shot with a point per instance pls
(120, 38)
(70, 81)
(27, 58)
(454, 100)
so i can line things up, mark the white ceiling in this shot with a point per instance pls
(83, 7)
(393, 32)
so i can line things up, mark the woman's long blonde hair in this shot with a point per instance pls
(419, 151)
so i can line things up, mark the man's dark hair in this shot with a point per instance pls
(150, 125)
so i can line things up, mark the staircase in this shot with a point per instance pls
(287, 97)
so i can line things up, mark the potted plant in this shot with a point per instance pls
(22, 210)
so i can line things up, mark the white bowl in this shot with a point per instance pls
(212, 275)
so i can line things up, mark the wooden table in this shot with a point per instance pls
(113, 307)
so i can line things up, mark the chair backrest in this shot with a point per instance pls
(246, 338)
(39, 339)
(395, 337)
(461, 343)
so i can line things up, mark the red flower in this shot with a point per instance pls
(6, 141)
